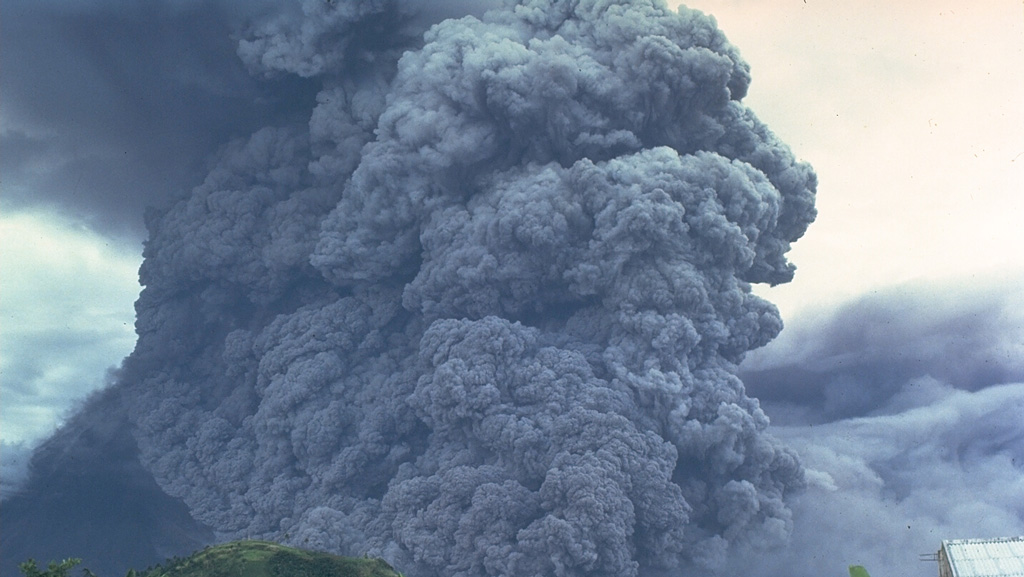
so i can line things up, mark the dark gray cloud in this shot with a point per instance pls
(482, 313)
(87, 496)
(880, 352)
(14, 458)
(885, 489)
(512, 268)
(905, 406)
(110, 107)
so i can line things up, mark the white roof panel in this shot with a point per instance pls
(1002, 557)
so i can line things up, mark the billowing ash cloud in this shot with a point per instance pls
(89, 497)
(110, 107)
(14, 459)
(886, 489)
(482, 315)
(884, 352)
(905, 408)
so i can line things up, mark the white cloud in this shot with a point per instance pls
(66, 317)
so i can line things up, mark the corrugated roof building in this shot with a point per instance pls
(1002, 557)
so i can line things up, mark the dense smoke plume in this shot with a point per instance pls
(482, 315)
(110, 107)
(905, 408)
(89, 497)
(886, 351)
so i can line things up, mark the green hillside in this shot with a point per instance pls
(265, 559)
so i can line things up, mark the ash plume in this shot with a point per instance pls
(88, 496)
(482, 314)
(110, 107)
(904, 407)
(883, 353)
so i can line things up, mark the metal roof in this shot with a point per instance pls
(986, 557)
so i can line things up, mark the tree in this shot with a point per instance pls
(29, 568)
(858, 571)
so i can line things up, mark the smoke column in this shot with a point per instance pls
(905, 408)
(483, 314)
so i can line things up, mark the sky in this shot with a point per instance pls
(909, 112)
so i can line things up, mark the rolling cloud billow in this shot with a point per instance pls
(482, 315)
(905, 408)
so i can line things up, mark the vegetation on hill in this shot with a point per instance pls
(243, 559)
(258, 559)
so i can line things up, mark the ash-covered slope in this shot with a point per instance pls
(482, 315)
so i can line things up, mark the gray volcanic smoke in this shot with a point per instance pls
(482, 316)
